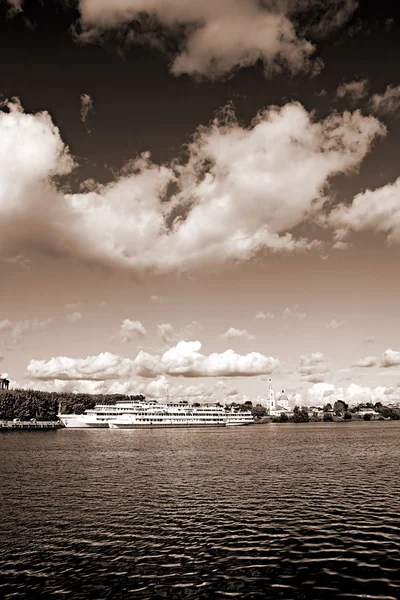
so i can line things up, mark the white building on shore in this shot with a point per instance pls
(279, 405)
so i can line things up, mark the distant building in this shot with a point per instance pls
(367, 411)
(317, 412)
(279, 405)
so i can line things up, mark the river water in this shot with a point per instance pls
(276, 511)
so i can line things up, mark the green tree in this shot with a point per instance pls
(340, 407)
(259, 411)
(300, 415)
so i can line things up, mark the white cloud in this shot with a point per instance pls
(367, 361)
(390, 358)
(74, 317)
(160, 389)
(86, 106)
(336, 324)
(131, 328)
(102, 367)
(354, 90)
(261, 315)
(15, 6)
(313, 368)
(214, 39)
(293, 312)
(388, 103)
(157, 299)
(167, 333)
(374, 210)
(243, 190)
(15, 330)
(5, 325)
(169, 336)
(185, 359)
(321, 393)
(234, 333)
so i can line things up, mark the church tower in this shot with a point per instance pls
(270, 398)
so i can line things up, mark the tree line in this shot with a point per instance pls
(44, 406)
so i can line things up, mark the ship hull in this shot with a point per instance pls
(165, 425)
(77, 422)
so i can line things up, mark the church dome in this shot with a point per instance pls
(282, 399)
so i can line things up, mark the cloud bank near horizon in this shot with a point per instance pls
(318, 394)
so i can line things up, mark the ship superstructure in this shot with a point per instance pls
(146, 414)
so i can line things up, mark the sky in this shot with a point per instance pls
(198, 197)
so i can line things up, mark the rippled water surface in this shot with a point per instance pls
(273, 511)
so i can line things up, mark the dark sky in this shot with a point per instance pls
(85, 273)
(140, 106)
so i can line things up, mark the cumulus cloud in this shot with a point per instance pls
(131, 328)
(169, 336)
(213, 39)
(241, 191)
(373, 210)
(367, 361)
(161, 389)
(102, 367)
(86, 106)
(167, 333)
(388, 103)
(354, 90)
(336, 324)
(185, 359)
(321, 393)
(390, 358)
(234, 333)
(74, 317)
(313, 368)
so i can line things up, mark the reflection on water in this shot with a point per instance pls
(282, 511)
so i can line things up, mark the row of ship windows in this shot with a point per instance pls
(214, 416)
(162, 419)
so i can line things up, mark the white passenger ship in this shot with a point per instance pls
(147, 414)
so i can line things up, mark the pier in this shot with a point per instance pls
(29, 425)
